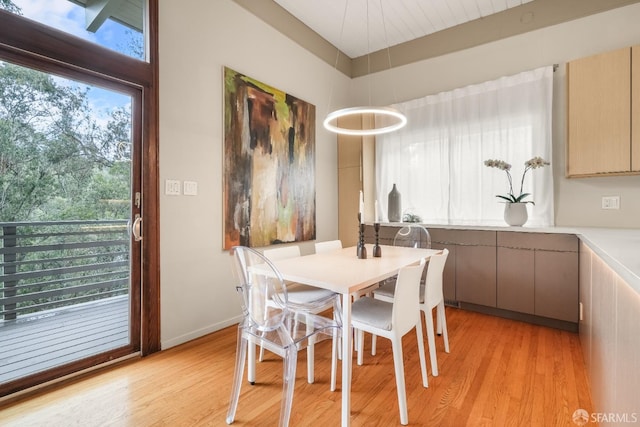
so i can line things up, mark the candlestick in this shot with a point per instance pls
(361, 249)
(377, 250)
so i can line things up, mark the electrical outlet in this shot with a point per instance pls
(171, 187)
(190, 188)
(610, 202)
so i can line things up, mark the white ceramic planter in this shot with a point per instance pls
(515, 214)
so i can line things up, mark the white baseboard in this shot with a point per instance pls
(199, 333)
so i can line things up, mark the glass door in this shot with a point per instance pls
(70, 205)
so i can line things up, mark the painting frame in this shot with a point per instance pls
(269, 183)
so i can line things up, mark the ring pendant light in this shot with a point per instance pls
(390, 119)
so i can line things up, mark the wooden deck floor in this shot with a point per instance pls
(57, 337)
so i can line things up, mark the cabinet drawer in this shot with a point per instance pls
(463, 237)
(540, 241)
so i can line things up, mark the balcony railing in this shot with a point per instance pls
(47, 265)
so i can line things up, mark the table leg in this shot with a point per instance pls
(347, 358)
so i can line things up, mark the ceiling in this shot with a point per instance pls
(359, 27)
(359, 37)
(413, 30)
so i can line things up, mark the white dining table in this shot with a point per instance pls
(343, 272)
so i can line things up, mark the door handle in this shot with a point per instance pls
(136, 228)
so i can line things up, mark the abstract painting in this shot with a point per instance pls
(269, 164)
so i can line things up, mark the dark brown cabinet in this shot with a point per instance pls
(476, 275)
(529, 276)
(473, 255)
(538, 274)
(515, 284)
(557, 289)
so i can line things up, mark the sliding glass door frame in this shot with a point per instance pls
(27, 43)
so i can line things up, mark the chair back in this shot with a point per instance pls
(330, 245)
(433, 284)
(413, 236)
(406, 303)
(259, 283)
(282, 252)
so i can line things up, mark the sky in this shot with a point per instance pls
(69, 17)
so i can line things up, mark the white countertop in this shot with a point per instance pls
(619, 248)
(569, 230)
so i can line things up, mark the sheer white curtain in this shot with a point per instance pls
(437, 160)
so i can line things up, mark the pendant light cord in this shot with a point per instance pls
(335, 65)
(369, 52)
(386, 43)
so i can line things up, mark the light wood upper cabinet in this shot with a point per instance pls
(599, 114)
(635, 108)
(349, 181)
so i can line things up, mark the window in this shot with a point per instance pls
(114, 25)
(437, 160)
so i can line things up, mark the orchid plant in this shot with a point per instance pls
(534, 163)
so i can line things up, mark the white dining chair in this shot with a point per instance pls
(306, 298)
(279, 327)
(408, 236)
(332, 245)
(393, 320)
(328, 246)
(431, 296)
(324, 247)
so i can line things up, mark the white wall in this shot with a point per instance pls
(577, 201)
(198, 38)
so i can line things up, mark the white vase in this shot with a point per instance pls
(515, 214)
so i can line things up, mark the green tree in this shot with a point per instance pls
(54, 155)
(9, 6)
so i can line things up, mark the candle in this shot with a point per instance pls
(361, 207)
(376, 216)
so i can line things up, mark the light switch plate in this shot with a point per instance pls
(190, 188)
(171, 187)
(610, 202)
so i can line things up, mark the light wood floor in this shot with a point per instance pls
(499, 373)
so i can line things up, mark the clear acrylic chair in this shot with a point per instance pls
(413, 236)
(393, 320)
(306, 298)
(278, 327)
(301, 296)
(431, 296)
